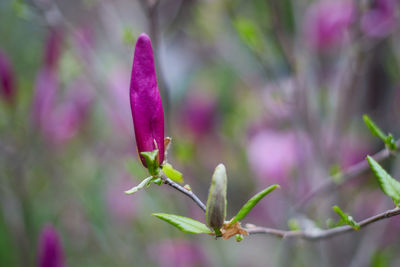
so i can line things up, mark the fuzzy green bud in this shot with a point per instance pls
(216, 203)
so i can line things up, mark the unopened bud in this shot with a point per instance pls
(216, 203)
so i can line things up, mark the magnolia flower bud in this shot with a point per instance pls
(146, 106)
(50, 249)
(216, 203)
(7, 80)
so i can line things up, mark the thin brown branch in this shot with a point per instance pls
(183, 190)
(312, 235)
(318, 234)
(350, 173)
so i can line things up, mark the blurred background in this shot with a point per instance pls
(273, 89)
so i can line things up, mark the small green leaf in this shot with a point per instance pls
(346, 218)
(239, 237)
(249, 33)
(184, 224)
(252, 202)
(151, 159)
(374, 128)
(391, 142)
(145, 182)
(389, 186)
(171, 173)
(127, 36)
(293, 225)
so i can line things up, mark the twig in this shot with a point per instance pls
(318, 234)
(312, 235)
(183, 190)
(352, 172)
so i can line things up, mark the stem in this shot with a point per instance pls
(312, 235)
(352, 172)
(317, 234)
(183, 190)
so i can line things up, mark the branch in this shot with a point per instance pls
(312, 235)
(352, 172)
(317, 234)
(183, 190)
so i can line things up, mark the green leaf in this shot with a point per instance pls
(389, 186)
(127, 36)
(346, 218)
(252, 202)
(145, 182)
(151, 159)
(249, 33)
(184, 224)
(171, 173)
(374, 128)
(391, 142)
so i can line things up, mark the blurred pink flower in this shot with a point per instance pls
(352, 151)
(46, 87)
(198, 114)
(53, 46)
(272, 155)
(381, 19)
(7, 79)
(118, 102)
(59, 120)
(179, 253)
(327, 22)
(50, 249)
(121, 207)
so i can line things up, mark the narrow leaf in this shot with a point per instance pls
(389, 186)
(184, 224)
(346, 218)
(374, 128)
(252, 202)
(151, 159)
(171, 173)
(145, 182)
(390, 142)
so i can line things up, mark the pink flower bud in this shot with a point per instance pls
(50, 248)
(146, 106)
(381, 19)
(327, 22)
(7, 82)
(53, 47)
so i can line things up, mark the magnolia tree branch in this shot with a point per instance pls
(343, 177)
(183, 190)
(318, 234)
(313, 234)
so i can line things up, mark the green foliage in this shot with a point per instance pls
(145, 182)
(184, 224)
(171, 173)
(293, 225)
(151, 159)
(216, 202)
(252, 202)
(376, 131)
(249, 33)
(346, 218)
(389, 186)
(128, 37)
